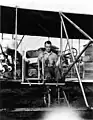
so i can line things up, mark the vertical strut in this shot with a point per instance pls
(81, 86)
(15, 43)
(61, 42)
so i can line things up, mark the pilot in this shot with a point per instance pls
(49, 61)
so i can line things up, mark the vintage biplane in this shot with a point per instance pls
(50, 24)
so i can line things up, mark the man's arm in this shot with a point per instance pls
(40, 57)
(40, 60)
(55, 58)
(58, 61)
(40, 64)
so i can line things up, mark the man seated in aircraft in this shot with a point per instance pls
(49, 59)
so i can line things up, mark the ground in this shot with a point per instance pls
(18, 96)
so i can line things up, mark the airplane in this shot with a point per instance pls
(49, 24)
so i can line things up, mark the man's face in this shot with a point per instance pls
(48, 47)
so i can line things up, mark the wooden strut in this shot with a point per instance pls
(42, 109)
(15, 42)
(82, 89)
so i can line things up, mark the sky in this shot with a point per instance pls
(76, 6)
